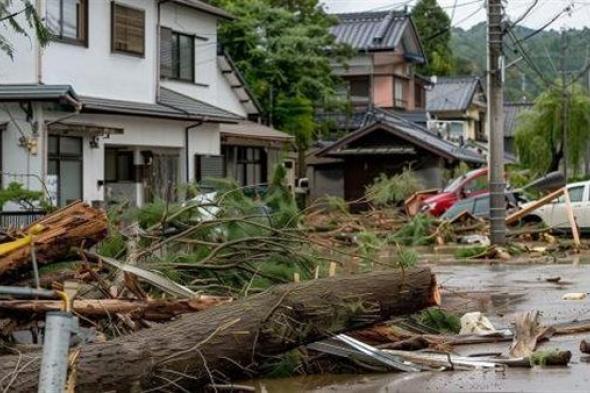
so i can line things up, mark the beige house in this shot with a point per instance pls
(457, 108)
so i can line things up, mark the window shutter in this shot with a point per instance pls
(166, 52)
(208, 166)
(128, 29)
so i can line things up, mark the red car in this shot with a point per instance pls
(466, 186)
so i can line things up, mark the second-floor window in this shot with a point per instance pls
(177, 55)
(127, 29)
(67, 20)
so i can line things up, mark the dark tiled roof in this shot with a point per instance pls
(376, 31)
(511, 112)
(172, 105)
(413, 132)
(194, 107)
(452, 94)
(36, 92)
(205, 7)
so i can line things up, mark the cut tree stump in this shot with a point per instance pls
(228, 341)
(75, 225)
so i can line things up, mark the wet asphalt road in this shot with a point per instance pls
(500, 291)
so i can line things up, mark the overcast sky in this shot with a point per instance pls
(470, 12)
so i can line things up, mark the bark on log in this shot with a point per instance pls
(73, 226)
(151, 310)
(227, 341)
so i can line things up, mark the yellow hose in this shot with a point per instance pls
(9, 247)
(66, 299)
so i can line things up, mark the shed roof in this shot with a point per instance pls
(511, 112)
(377, 31)
(205, 7)
(450, 94)
(412, 132)
(250, 129)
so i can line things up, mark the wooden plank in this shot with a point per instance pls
(514, 217)
(572, 219)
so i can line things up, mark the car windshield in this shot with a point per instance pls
(454, 184)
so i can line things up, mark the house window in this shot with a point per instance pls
(118, 166)
(127, 29)
(67, 20)
(65, 166)
(177, 55)
(399, 93)
(247, 165)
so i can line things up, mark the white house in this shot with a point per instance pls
(125, 102)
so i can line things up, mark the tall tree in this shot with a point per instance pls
(539, 136)
(20, 16)
(281, 48)
(434, 27)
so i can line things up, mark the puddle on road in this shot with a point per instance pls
(499, 292)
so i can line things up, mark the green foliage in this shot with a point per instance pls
(539, 135)
(16, 193)
(542, 358)
(393, 190)
(440, 320)
(20, 16)
(434, 26)
(369, 246)
(417, 232)
(471, 251)
(281, 201)
(280, 48)
(406, 257)
(334, 203)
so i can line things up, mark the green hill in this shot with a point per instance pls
(469, 46)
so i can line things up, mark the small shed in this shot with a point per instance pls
(387, 145)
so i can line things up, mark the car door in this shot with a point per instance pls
(558, 216)
(581, 207)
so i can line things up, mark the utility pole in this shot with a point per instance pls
(496, 124)
(564, 102)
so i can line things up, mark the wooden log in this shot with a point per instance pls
(572, 219)
(151, 310)
(75, 225)
(228, 341)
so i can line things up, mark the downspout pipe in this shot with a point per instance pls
(186, 145)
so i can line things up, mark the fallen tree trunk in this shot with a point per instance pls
(55, 235)
(227, 341)
(151, 310)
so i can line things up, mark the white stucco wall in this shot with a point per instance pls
(189, 21)
(22, 67)
(226, 96)
(95, 70)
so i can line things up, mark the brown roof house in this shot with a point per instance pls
(386, 144)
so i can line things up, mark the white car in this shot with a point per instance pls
(554, 214)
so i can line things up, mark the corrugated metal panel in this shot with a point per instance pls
(451, 94)
(370, 30)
